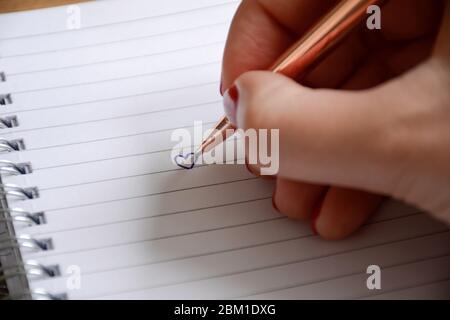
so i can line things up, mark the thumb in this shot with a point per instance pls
(326, 136)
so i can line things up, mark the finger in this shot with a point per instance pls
(339, 65)
(327, 136)
(402, 58)
(442, 48)
(406, 19)
(344, 204)
(261, 30)
(296, 199)
(252, 168)
(418, 28)
(256, 171)
(342, 212)
(347, 209)
(389, 63)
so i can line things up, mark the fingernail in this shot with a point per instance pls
(273, 201)
(315, 216)
(230, 99)
(249, 169)
(221, 88)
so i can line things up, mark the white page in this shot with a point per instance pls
(96, 107)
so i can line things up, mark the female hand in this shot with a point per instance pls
(373, 119)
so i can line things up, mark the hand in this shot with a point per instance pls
(373, 119)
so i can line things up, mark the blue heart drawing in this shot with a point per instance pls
(185, 161)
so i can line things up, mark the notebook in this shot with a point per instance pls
(93, 206)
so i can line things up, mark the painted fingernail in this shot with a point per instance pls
(273, 201)
(249, 169)
(315, 215)
(230, 99)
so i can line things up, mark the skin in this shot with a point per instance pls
(371, 120)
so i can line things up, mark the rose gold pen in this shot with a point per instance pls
(297, 60)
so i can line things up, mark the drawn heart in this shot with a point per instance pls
(185, 161)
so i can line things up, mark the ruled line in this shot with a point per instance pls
(172, 213)
(118, 78)
(100, 160)
(444, 280)
(59, 253)
(119, 22)
(196, 167)
(51, 232)
(272, 266)
(148, 93)
(11, 75)
(109, 138)
(202, 254)
(197, 256)
(387, 266)
(121, 178)
(121, 41)
(129, 115)
(148, 195)
(110, 158)
(287, 239)
(210, 230)
(132, 155)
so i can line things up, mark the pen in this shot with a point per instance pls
(302, 55)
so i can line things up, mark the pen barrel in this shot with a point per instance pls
(297, 60)
(222, 131)
(304, 53)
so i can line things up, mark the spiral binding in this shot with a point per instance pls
(42, 294)
(16, 217)
(21, 216)
(34, 294)
(26, 242)
(5, 99)
(9, 122)
(11, 145)
(11, 168)
(31, 269)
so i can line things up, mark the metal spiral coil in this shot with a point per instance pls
(15, 270)
(31, 269)
(21, 193)
(37, 294)
(26, 242)
(5, 99)
(9, 122)
(11, 145)
(42, 294)
(10, 168)
(23, 217)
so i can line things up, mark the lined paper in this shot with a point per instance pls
(96, 108)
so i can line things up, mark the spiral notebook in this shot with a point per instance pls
(93, 207)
